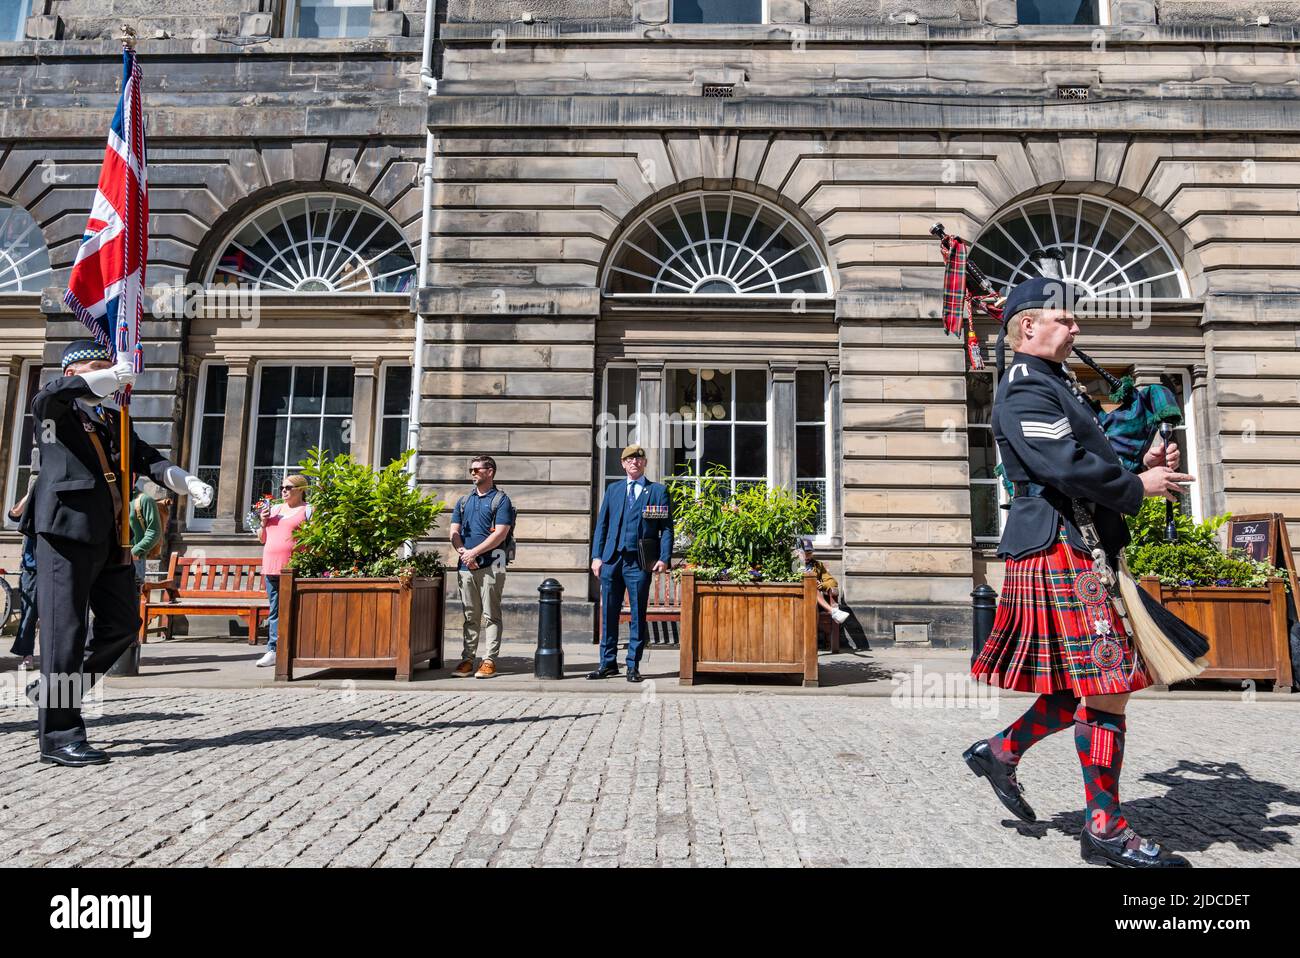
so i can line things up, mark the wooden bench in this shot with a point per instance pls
(665, 605)
(207, 586)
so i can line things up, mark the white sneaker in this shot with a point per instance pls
(840, 616)
(265, 660)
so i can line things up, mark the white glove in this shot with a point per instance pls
(200, 492)
(102, 382)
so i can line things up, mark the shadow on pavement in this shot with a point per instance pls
(339, 731)
(1207, 803)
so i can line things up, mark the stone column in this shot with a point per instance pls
(650, 398)
(1209, 483)
(783, 413)
(231, 503)
(364, 396)
(835, 481)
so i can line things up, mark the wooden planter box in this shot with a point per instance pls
(1246, 628)
(730, 627)
(358, 624)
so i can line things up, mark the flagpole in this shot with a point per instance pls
(124, 418)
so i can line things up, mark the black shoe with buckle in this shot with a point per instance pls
(1002, 777)
(75, 755)
(1127, 850)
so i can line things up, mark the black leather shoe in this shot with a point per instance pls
(74, 755)
(1002, 777)
(33, 692)
(633, 675)
(604, 672)
(1127, 850)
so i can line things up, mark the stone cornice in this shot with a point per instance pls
(608, 31)
(192, 123)
(109, 48)
(848, 112)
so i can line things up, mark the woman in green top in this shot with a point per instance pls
(146, 528)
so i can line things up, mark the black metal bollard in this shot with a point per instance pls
(548, 663)
(984, 602)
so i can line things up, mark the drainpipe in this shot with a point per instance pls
(430, 83)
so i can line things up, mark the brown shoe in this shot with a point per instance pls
(486, 670)
(465, 668)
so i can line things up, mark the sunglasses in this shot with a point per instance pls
(288, 488)
(474, 469)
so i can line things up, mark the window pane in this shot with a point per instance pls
(984, 511)
(810, 452)
(979, 399)
(308, 389)
(332, 440)
(397, 390)
(303, 434)
(810, 395)
(1057, 11)
(269, 445)
(751, 395)
(620, 398)
(333, 18)
(717, 447)
(393, 441)
(338, 392)
(751, 451)
(209, 452)
(817, 489)
(13, 14)
(214, 397)
(274, 396)
(717, 11)
(681, 393)
(982, 456)
(715, 394)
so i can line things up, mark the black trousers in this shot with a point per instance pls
(73, 580)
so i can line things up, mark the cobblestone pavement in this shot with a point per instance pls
(318, 777)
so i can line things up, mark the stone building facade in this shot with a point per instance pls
(715, 231)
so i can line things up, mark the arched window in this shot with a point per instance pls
(320, 243)
(24, 260)
(716, 244)
(1108, 250)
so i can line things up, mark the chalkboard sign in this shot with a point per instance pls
(1256, 535)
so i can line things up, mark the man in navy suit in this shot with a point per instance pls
(635, 520)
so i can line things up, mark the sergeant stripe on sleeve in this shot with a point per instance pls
(1046, 430)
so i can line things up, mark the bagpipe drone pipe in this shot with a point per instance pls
(1172, 650)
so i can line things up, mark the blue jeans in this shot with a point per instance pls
(25, 641)
(623, 575)
(273, 614)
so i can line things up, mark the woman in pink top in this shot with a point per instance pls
(276, 535)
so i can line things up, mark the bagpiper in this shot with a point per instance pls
(1056, 631)
(75, 514)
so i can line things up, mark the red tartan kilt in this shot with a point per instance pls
(1044, 636)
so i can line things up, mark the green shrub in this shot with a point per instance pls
(746, 536)
(1195, 560)
(361, 518)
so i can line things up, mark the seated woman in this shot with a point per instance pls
(827, 588)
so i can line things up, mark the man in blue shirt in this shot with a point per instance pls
(635, 520)
(480, 533)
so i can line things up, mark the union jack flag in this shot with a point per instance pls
(106, 288)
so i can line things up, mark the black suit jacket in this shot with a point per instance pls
(71, 498)
(1049, 436)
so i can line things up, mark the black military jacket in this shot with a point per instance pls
(71, 498)
(1049, 436)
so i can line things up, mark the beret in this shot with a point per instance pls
(1042, 293)
(82, 350)
(633, 450)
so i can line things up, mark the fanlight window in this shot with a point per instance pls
(1108, 251)
(317, 244)
(24, 260)
(717, 244)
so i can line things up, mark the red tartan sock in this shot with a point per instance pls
(1048, 714)
(1099, 740)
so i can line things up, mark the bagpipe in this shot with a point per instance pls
(1173, 650)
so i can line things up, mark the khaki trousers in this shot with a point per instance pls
(480, 593)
